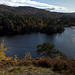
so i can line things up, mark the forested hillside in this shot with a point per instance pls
(33, 11)
(20, 20)
(16, 24)
(29, 11)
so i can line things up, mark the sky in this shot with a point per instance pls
(52, 5)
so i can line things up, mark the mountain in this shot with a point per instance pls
(70, 14)
(33, 11)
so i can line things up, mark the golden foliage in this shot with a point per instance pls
(2, 54)
(28, 55)
(58, 57)
(15, 58)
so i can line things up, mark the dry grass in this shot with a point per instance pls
(44, 65)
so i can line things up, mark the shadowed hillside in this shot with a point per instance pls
(32, 11)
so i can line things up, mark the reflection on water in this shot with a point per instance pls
(20, 44)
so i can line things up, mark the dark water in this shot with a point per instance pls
(20, 44)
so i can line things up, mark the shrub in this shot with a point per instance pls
(48, 50)
(24, 62)
(2, 54)
(43, 62)
(28, 55)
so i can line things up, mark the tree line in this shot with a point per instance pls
(19, 24)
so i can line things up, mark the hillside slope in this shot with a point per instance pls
(32, 11)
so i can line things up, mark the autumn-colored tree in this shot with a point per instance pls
(2, 54)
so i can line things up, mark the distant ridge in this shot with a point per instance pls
(33, 11)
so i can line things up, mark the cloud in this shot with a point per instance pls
(34, 4)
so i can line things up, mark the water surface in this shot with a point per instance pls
(20, 44)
